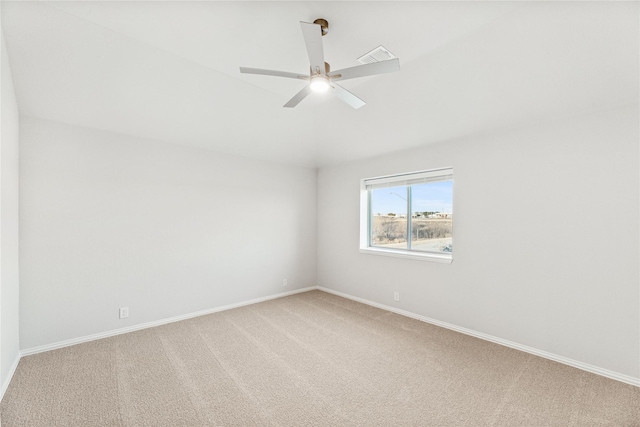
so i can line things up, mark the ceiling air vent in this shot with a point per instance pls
(376, 55)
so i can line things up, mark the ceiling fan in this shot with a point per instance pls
(320, 77)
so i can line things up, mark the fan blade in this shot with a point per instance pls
(313, 39)
(367, 69)
(347, 97)
(298, 97)
(275, 73)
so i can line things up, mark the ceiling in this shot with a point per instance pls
(169, 70)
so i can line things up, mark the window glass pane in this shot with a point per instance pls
(432, 219)
(389, 217)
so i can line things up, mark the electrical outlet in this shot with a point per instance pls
(396, 296)
(124, 312)
(285, 282)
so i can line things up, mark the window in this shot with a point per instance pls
(408, 215)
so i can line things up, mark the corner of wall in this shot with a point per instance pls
(9, 267)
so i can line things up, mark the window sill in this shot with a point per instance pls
(422, 256)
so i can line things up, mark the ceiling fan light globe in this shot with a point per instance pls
(319, 84)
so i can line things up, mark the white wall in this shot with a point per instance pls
(546, 237)
(9, 346)
(109, 221)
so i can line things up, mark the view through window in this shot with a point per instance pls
(411, 212)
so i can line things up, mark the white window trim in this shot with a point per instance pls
(446, 258)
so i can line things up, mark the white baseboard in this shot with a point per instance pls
(7, 380)
(561, 359)
(111, 333)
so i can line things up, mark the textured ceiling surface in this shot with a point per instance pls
(170, 70)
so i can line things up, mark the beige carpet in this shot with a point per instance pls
(311, 359)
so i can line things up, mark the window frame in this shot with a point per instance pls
(406, 179)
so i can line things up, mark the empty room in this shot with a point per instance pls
(317, 213)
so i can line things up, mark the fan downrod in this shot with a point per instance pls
(323, 24)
